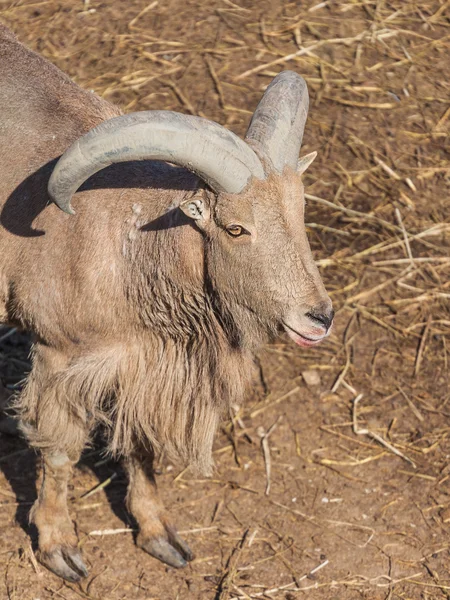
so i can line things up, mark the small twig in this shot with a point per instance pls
(288, 57)
(33, 561)
(402, 261)
(410, 184)
(98, 487)
(405, 236)
(277, 401)
(421, 348)
(231, 569)
(291, 587)
(111, 531)
(181, 96)
(387, 169)
(318, 6)
(198, 530)
(179, 477)
(216, 81)
(150, 6)
(266, 451)
(313, 571)
(351, 212)
(358, 431)
(342, 374)
(252, 537)
(411, 405)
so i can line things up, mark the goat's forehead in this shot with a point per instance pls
(272, 199)
(229, 206)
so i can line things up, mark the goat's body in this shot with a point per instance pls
(146, 305)
(42, 111)
(159, 374)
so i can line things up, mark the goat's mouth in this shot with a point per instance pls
(300, 339)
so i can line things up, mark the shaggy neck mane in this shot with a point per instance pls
(183, 368)
(175, 369)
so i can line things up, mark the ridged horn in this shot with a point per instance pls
(218, 156)
(277, 125)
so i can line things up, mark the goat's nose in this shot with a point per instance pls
(322, 315)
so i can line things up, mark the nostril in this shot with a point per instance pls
(324, 319)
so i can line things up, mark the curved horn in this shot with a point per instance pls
(217, 155)
(277, 126)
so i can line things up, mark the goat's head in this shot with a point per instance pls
(251, 211)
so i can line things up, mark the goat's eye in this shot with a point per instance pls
(236, 230)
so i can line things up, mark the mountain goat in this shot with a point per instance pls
(147, 305)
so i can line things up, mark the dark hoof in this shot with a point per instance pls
(161, 549)
(179, 544)
(66, 562)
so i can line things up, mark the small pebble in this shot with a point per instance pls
(311, 377)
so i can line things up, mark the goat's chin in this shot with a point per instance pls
(252, 332)
(257, 336)
(306, 341)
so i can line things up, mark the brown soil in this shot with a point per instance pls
(377, 525)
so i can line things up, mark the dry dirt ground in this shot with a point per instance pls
(354, 510)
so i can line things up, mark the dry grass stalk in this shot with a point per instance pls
(226, 582)
(98, 488)
(101, 532)
(145, 10)
(264, 435)
(402, 261)
(351, 212)
(412, 406)
(358, 431)
(342, 374)
(405, 236)
(271, 403)
(387, 169)
(289, 587)
(318, 522)
(34, 562)
(421, 348)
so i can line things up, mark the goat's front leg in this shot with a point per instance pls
(157, 535)
(50, 423)
(58, 549)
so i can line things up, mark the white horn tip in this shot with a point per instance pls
(305, 162)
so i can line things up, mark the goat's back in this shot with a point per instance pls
(82, 258)
(41, 113)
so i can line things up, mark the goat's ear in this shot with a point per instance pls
(304, 162)
(197, 208)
